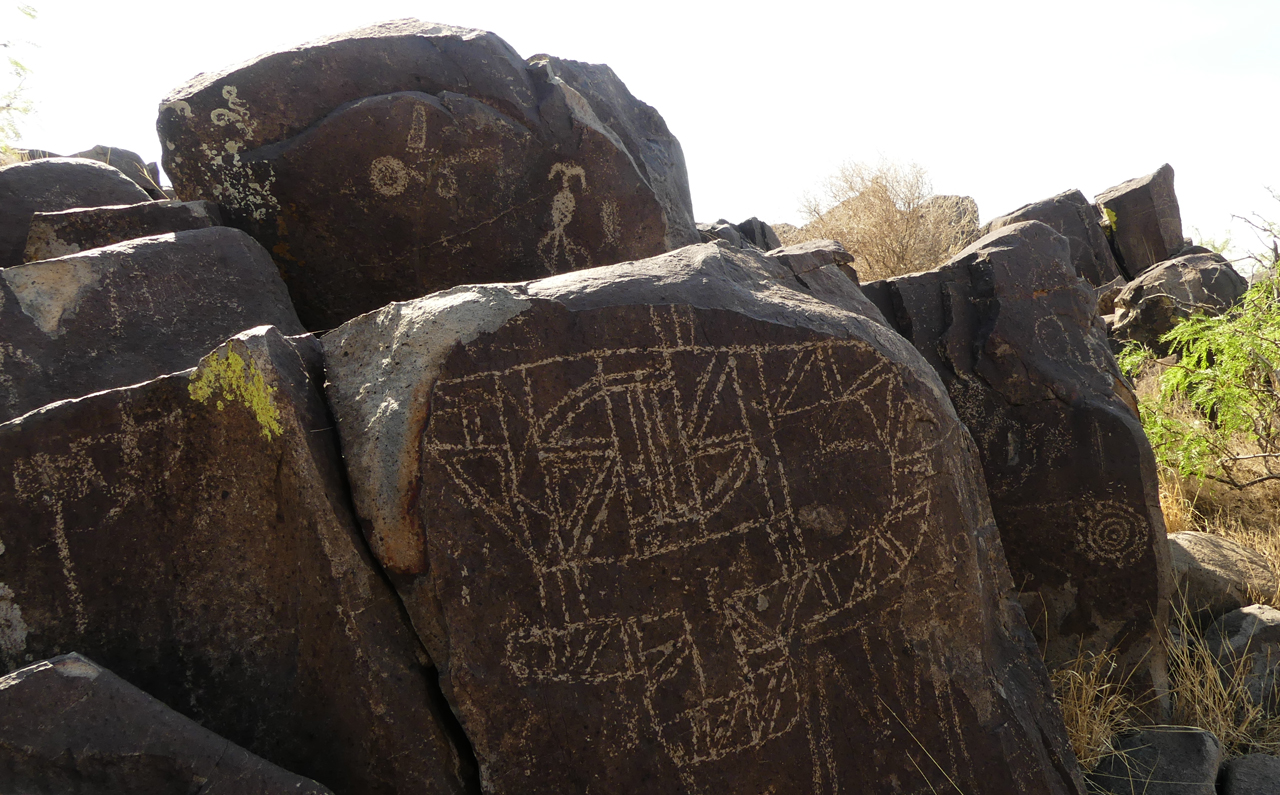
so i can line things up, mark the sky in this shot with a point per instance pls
(1007, 102)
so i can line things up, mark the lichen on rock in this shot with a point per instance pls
(236, 380)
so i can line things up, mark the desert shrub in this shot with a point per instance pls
(1216, 412)
(888, 217)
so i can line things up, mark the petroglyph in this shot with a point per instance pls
(418, 130)
(659, 454)
(1112, 533)
(49, 483)
(13, 630)
(556, 245)
(389, 176)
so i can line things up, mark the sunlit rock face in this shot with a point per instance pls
(682, 525)
(400, 159)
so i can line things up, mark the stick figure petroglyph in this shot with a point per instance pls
(556, 244)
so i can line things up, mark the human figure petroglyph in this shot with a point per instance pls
(631, 466)
(556, 245)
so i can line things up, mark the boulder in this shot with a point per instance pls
(1142, 221)
(1250, 638)
(1160, 760)
(53, 184)
(1013, 333)
(127, 313)
(73, 726)
(193, 535)
(399, 159)
(1252, 774)
(1215, 575)
(759, 234)
(1071, 215)
(1198, 281)
(721, 230)
(146, 175)
(57, 234)
(682, 525)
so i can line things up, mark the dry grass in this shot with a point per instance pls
(1211, 693)
(1095, 707)
(889, 219)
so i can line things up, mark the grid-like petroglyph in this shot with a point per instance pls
(605, 467)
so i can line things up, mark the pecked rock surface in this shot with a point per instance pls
(130, 312)
(403, 158)
(73, 726)
(678, 525)
(1071, 215)
(53, 184)
(57, 234)
(1143, 221)
(1013, 334)
(191, 534)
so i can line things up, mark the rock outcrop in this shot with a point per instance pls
(1251, 774)
(1250, 637)
(679, 525)
(192, 535)
(403, 158)
(146, 175)
(1198, 281)
(1143, 222)
(50, 185)
(70, 725)
(58, 234)
(130, 312)
(1215, 575)
(1013, 333)
(1071, 215)
(1161, 760)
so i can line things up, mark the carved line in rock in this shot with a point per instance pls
(814, 599)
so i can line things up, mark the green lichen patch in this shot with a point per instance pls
(1110, 226)
(228, 376)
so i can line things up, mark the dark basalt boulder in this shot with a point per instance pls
(146, 175)
(400, 159)
(1142, 221)
(722, 230)
(1249, 638)
(1160, 760)
(130, 312)
(1251, 774)
(682, 525)
(58, 234)
(1013, 333)
(1071, 215)
(759, 234)
(1198, 281)
(192, 534)
(1215, 575)
(50, 185)
(73, 726)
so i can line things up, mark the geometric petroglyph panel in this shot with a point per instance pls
(688, 532)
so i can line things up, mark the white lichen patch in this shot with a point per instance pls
(49, 292)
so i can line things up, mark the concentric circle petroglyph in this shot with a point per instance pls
(1111, 533)
(389, 176)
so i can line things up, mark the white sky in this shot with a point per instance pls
(1006, 101)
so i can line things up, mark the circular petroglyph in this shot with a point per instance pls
(1112, 533)
(389, 176)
